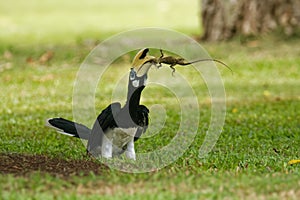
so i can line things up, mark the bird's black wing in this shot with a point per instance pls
(104, 121)
(142, 121)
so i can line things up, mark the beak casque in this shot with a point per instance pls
(142, 62)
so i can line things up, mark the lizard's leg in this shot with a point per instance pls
(173, 69)
(161, 56)
(158, 65)
(161, 53)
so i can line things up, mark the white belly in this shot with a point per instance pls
(120, 137)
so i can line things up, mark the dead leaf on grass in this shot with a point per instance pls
(46, 57)
(292, 162)
(7, 55)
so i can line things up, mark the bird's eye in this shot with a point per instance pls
(132, 75)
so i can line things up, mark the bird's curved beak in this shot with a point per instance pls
(142, 62)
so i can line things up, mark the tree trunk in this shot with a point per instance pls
(223, 19)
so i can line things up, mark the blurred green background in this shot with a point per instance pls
(64, 21)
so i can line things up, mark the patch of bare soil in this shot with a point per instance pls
(22, 164)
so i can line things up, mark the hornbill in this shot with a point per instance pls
(116, 128)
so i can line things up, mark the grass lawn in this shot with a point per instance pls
(249, 161)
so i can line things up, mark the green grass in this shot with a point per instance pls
(260, 136)
(261, 132)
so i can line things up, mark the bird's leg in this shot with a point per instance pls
(130, 152)
(107, 147)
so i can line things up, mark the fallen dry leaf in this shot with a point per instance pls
(46, 57)
(7, 55)
(292, 162)
(29, 60)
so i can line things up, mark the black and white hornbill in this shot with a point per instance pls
(116, 128)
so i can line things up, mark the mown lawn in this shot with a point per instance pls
(260, 136)
(249, 161)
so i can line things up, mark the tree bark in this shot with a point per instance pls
(223, 19)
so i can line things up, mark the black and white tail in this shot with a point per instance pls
(69, 128)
